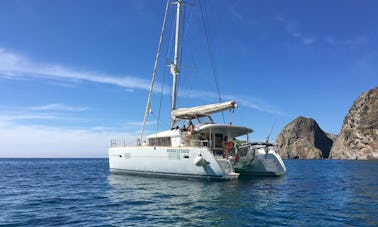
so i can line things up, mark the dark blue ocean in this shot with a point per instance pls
(82, 192)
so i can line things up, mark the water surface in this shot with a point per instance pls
(82, 192)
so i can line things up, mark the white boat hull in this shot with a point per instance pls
(183, 162)
(259, 161)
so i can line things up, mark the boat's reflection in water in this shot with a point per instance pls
(164, 201)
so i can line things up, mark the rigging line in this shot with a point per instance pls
(190, 47)
(155, 118)
(161, 100)
(148, 106)
(159, 120)
(164, 75)
(183, 38)
(182, 32)
(271, 130)
(211, 53)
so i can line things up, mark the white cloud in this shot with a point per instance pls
(6, 117)
(292, 28)
(140, 123)
(43, 112)
(256, 104)
(234, 12)
(25, 140)
(59, 107)
(16, 66)
(54, 142)
(31, 140)
(351, 42)
(247, 101)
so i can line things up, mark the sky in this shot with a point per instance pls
(76, 73)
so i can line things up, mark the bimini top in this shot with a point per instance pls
(227, 130)
(193, 112)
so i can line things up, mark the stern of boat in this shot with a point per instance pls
(259, 160)
(228, 169)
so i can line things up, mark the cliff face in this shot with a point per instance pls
(358, 138)
(303, 139)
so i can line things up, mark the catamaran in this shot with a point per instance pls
(204, 149)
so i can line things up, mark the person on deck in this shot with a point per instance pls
(191, 127)
(228, 147)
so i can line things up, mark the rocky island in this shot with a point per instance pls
(358, 139)
(303, 139)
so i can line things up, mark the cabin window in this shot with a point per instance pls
(218, 140)
(205, 120)
(160, 141)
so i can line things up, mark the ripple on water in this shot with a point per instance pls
(82, 192)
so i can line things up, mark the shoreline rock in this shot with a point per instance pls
(358, 138)
(303, 139)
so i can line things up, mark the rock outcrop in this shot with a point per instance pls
(358, 138)
(303, 139)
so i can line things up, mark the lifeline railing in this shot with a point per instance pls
(119, 142)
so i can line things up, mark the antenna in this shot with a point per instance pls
(271, 130)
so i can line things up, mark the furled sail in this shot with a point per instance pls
(188, 113)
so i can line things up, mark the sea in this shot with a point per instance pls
(82, 192)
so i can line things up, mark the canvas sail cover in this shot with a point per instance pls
(188, 113)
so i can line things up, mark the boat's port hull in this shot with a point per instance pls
(174, 175)
(169, 162)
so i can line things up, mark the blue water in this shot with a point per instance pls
(82, 192)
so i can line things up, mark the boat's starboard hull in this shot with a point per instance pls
(261, 162)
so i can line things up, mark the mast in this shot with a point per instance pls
(174, 66)
(148, 106)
